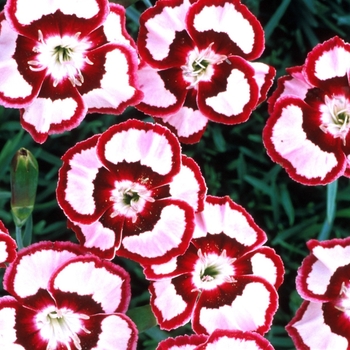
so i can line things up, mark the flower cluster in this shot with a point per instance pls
(130, 192)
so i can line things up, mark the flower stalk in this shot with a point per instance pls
(24, 182)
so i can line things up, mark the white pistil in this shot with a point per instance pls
(336, 117)
(199, 65)
(61, 326)
(129, 199)
(343, 301)
(62, 57)
(212, 270)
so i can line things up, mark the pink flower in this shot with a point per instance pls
(217, 281)
(8, 246)
(61, 60)
(308, 130)
(62, 299)
(323, 280)
(196, 64)
(218, 340)
(129, 190)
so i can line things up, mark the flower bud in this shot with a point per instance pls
(24, 181)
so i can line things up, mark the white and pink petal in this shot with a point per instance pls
(154, 83)
(46, 256)
(8, 316)
(18, 86)
(222, 216)
(189, 184)
(162, 39)
(235, 306)
(110, 83)
(318, 278)
(98, 239)
(310, 330)
(310, 161)
(105, 283)
(231, 94)
(125, 338)
(75, 188)
(238, 30)
(148, 145)
(84, 15)
(164, 234)
(171, 301)
(48, 115)
(328, 60)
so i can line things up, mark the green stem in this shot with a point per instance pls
(19, 237)
(331, 208)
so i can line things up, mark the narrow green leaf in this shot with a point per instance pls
(275, 19)
(143, 317)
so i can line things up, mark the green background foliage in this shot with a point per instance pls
(232, 158)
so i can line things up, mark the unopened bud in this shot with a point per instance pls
(24, 182)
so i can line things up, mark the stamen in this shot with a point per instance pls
(199, 65)
(62, 57)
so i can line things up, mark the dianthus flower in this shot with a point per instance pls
(8, 246)
(62, 299)
(62, 59)
(196, 64)
(308, 130)
(323, 280)
(129, 190)
(225, 280)
(218, 340)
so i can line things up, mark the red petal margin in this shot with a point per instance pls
(80, 167)
(135, 141)
(28, 18)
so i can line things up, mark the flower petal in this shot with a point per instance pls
(288, 144)
(24, 16)
(48, 256)
(8, 316)
(328, 60)
(171, 308)
(16, 90)
(75, 188)
(182, 342)
(314, 276)
(229, 19)
(55, 110)
(155, 83)
(107, 284)
(225, 309)
(160, 27)
(125, 338)
(188, 123)
(167, 233)
(109, 85)
(153, 146)
(309, 330)
(222, 215)
(231, 94)
(189, 184)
